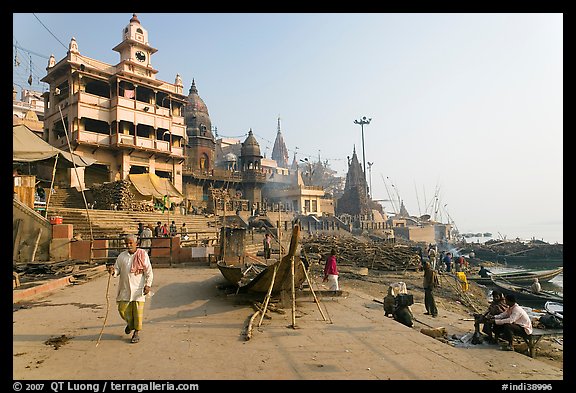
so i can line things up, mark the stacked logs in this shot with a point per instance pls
(362, 253)
(113, 195)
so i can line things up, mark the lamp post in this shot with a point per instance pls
(307, 162)
(370, 173)
(363, 121)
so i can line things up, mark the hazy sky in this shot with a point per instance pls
(467, 107)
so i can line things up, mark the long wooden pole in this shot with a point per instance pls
(312, 290)
(293, 293)
(268, 294)
(36, 245)
(51, 185)
(224, 234)
(107, 308)
(80, 183)
(278, 234)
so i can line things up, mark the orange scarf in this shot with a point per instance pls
(138, 266)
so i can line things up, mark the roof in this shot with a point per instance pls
(150, 184)
(28, 147)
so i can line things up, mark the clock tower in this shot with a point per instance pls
(135, 52)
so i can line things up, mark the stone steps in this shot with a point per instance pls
(111, 223)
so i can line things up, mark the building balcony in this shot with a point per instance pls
(126, 141)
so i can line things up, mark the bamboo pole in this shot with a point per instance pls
(278, 234)
(51, 185)
(250, 325)
(36, 245)
(267, 299)
(81, 184)
(312, 290)
(107, 308)
(293, 292)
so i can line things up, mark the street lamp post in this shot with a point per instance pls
(307, 162)
(370, 173)
(363, 121)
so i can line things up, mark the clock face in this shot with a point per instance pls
(141, 56)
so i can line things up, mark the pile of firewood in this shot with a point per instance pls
(351, 251)
(113, 195)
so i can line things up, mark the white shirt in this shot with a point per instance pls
(517, 315)
(145, 243)
(130, 285)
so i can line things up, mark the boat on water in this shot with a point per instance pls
(278, 275)
(525, 296)
(524, 277)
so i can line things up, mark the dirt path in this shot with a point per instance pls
(195, 331)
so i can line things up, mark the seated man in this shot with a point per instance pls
(514, 321)
(536, 287)
(497, 306)
(483, 272)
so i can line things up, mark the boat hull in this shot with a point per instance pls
(232, 274)
(525, 296)
(555, 308)
(522, 278)
(277, 276)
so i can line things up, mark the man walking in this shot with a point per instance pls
(135, 271)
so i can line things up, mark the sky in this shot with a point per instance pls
(466, 109)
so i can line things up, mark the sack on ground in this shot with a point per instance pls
(404, 316)
(404, 300)
(551, 322)
(434, 332)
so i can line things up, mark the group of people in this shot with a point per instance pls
(504, 318)
(445, 261)
(147, 232)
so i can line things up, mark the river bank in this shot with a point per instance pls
(455, 310)
(193, 330)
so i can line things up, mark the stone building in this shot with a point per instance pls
(120, 115)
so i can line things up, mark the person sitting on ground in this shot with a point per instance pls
(536, 287)
(514, 321)
(389, 302)
(402, 312)
(497, 306)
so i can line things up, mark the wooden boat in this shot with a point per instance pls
(235, 274)
(522, 277)
(525, 296)
(260, 278)
(555, 308)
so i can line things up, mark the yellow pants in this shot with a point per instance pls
(132, 313)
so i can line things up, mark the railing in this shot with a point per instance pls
(115, 245)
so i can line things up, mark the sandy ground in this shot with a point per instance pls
(195, 330)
